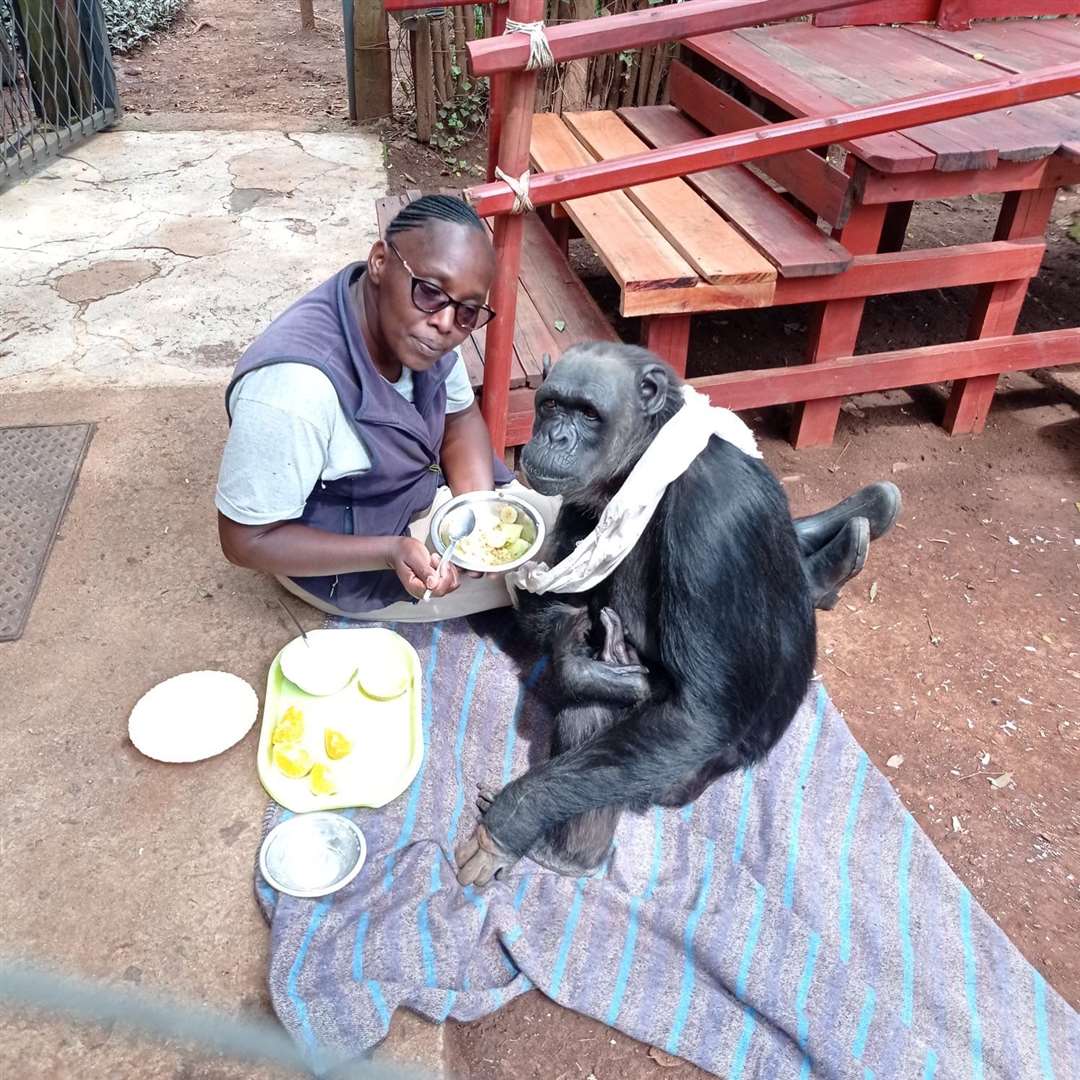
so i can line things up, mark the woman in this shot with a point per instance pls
(352, 418)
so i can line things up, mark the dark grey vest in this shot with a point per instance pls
(403, 440)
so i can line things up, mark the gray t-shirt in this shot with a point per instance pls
(289, 432)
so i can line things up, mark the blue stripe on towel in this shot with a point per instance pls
(451, 997)
(687, 812)
(683, 1010)
(459, 742)
(317, 916)
(866, 1018)
(519, 896)
(623, 976)
(379, 1002)
(845, 853)
(1041, 1030)
(930, 1065)
(907, 949)
(797, 801)
(409, 821)
(358, 946)
(569, 928)
(423, 922)
(511, 729)
(802, 995)
(744, 815)
(738, 1062)
(970, 985)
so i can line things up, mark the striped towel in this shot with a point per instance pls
(794, 922)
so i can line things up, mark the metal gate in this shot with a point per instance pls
(57, 83)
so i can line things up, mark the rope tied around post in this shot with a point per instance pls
(539, 49)
(520, 188)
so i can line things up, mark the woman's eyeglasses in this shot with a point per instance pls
(429, 298)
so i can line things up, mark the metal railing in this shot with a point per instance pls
(57, 83)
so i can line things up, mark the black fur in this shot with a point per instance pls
(713, 601)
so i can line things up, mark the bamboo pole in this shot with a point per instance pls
(496, 89)
(459, 47)
(513, 159)
(423, 80)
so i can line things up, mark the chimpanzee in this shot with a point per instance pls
(692, 657)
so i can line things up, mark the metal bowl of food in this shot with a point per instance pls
(313, 854)
(508, 531)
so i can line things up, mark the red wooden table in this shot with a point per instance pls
(1027, 152)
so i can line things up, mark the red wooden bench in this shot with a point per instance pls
(665, 197)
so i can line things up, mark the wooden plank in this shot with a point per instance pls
(740, 147)
(808, 176)
(888, 371)
(796, 246)
(633, 29)
(669, 337)
(712, 247)
(891, 152)
(1022, 133)
(912, 271)
(874, 187)
(837, 60)
(881, 11)
(557, 292)
(635, 252)
(957, 14)
(1062, 29)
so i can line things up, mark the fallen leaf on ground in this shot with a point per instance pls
(665, 1061)
(955, 824)
(1004, 780)
(873, 591)
(895, 761)
(900, 466)
(560, 325)
(984, 758)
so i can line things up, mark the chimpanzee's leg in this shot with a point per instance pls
(580, 844)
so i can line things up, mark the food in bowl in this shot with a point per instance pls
(497, 538)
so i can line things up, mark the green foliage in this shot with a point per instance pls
(130, 21)
(458, 120)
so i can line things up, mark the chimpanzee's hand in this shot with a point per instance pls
(584, 679)
(481, 857)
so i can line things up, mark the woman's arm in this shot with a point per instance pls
(466, 452)
(296, 550)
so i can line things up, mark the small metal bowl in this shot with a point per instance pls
(479, 502)
(314, 854)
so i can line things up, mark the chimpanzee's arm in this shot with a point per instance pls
(656, 746)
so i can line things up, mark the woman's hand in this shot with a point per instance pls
(419, 569)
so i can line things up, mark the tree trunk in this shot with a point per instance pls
(575, 83)
(307, 14)
(371, 60)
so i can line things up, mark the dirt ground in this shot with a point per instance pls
(957, 650)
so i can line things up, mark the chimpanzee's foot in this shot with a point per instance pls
(837, 563)
(481, 857)
(617, 650)
(879, 503)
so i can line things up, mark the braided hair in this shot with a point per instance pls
(431, 208)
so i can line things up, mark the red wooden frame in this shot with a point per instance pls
(799, 134)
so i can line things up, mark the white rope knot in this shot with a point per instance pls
(520, 188)
(539, 49)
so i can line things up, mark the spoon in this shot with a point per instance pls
(459, 525)
(296, 621)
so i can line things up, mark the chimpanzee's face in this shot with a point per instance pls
(592, 418)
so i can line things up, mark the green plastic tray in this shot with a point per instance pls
(387, 736)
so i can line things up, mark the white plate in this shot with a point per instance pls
(193, 716)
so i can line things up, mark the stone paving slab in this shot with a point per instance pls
(153, 258)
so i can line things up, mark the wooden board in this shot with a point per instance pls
(887, 371)
(881, 11)
(792, 243)
(958, 14)
(806, 175)
(635, 252)
(836, 60)
(712, 247)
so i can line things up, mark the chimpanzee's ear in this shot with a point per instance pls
(654, 385)
(545, 367)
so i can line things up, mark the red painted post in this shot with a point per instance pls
(836, 329)
(669, 337)
(997, 308)
(513, 160)
(496, 93)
